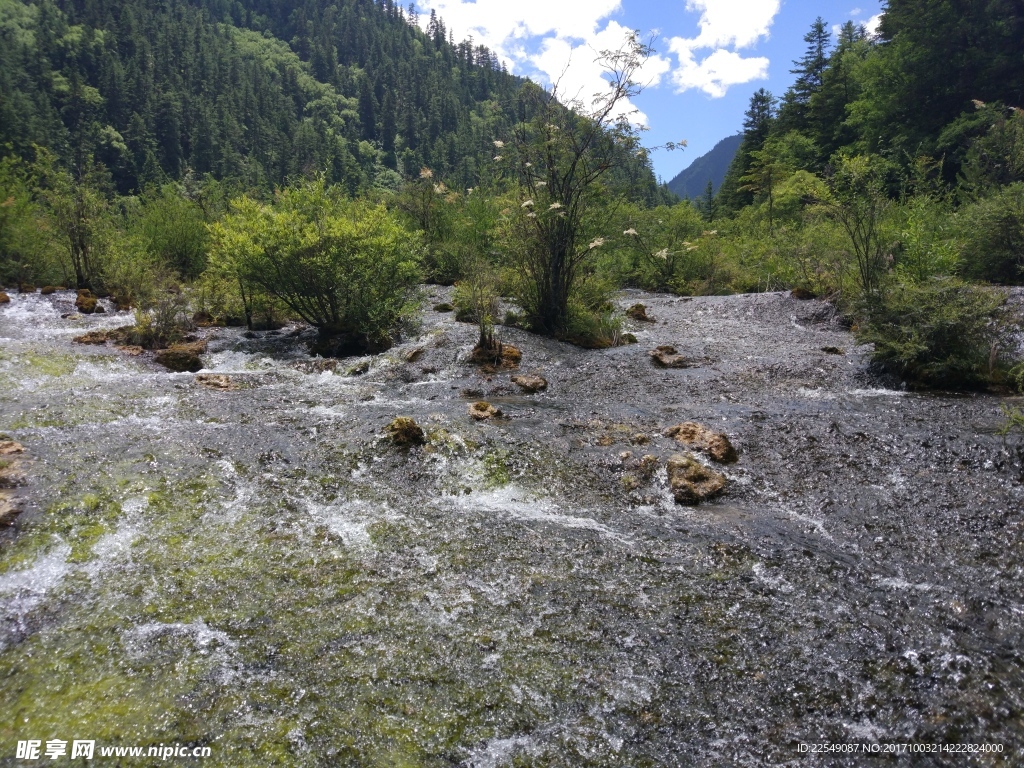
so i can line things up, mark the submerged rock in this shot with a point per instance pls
(216, 381)
(699, 437)
(182, 358)
(530, 383)
(482, 410)
(667, 356)
(690, 481)
(9, 510)
(405, 432)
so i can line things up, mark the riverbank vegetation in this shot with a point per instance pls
(899, 198)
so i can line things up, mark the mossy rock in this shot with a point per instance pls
(696, 436)
(444, 306)
(4, 298)
(26, 288)
(482, 410)
(667, 356)
(47, 290)
(404, 432)
(638, 312)
(691, 482)
(182, 358)
(86, 304)
(530, 383)
(493, 358)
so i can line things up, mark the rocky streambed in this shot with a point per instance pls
(244, 559)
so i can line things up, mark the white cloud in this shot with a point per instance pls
(559, 41)
(723, 24)
(871, 25)
(716, 72)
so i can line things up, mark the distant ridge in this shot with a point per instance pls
(691, 182)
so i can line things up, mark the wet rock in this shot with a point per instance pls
(699, 437)
(530, 383)
(216, 381)
(47, 290)
(11, 474)
(667, 356)
(833, 351)
(803, 294)
(405, 432)
(4, 298)
(130, 349)
(482, 410)
(345, 345)
(502, 356)
(100, 309)
(358, 369)
(182, 358)
(10, 447)
(9, 509)
(638, 312)
(316, 365)
(26, 288)
(444, 306)
(691, 482)
(414, 354)
(86, 302)
(92, 337)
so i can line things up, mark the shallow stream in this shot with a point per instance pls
(260, 571)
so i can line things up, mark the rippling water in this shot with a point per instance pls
(261, 572)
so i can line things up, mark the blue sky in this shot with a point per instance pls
(712, 54)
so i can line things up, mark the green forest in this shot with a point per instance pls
(255, 161)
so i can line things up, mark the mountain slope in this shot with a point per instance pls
(255, 91)
(692, 181)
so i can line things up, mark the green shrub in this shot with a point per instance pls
(346, 267)
(993, 246)
(938, 333)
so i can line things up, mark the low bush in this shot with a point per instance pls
(937, 333)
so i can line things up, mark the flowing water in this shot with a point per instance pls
(262, 572)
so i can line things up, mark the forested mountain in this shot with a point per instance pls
(692, 181)
(939, 77)
(259, 91)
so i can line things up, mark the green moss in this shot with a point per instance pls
(497, 472)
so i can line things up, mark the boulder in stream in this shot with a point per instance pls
(638, 312)
(4, 298)
(182, 358)
(667, 356)
(690, 481)
(530, 383)
(698, 437)
(405, 432)
(482, 410)
(86, 303)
